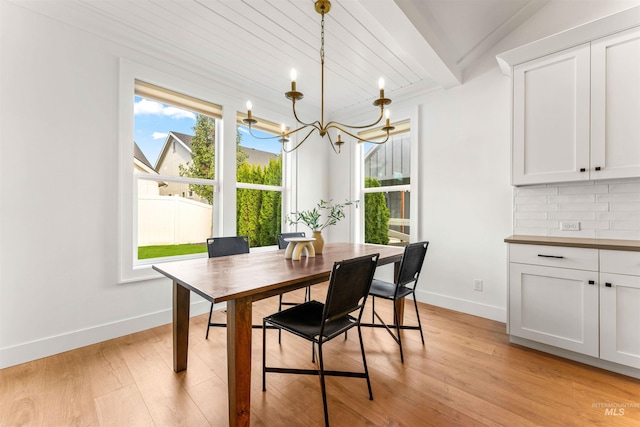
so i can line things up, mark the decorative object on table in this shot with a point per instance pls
(323, 7)
(299, 247)
(312, 218)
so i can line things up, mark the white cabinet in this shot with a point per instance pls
(551, 118)
(575, 113)
(620, 307)
(583, 300)
(615, 106)
(552, 302)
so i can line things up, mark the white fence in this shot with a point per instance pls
(167, 220)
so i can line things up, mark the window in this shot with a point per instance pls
(386, 186)
(174, 142)
(158, 192)
(259, 183)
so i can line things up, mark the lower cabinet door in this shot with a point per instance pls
(554, 306)
(620, 319)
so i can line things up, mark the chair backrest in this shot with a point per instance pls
(281, 242)
(411, 264)
(223, 246)
(349, 286)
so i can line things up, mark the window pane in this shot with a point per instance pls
(389, 163)
(259, 161)
(259, 215)
(170, 225)
(386, 217)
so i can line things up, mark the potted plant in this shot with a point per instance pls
(313, 218)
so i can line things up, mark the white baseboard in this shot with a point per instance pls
(498, 314)
(26, 352)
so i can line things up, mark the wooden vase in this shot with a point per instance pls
(318, 244)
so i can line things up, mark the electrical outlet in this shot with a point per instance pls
(570, 225)
(477, 285)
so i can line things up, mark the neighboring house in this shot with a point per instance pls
(177, 151)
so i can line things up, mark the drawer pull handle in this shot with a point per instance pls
(598, 168)
(583, 169)
(550, 256)
(608, 285)
(592, 282)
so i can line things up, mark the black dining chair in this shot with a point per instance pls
(404, 285)
(319, 323)
(225, 246)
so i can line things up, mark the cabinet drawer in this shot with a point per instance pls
(620, 262)
(554, 256)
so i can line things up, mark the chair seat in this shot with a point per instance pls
(387, 290)
(305, 320)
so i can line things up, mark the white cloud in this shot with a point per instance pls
(145, 106)
(159, 135)
(242, 129)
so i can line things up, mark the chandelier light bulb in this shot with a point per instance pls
(381, 83)
(282, 128)
(387, 114)
(294, 75)
(249, 106)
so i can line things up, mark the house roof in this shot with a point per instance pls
(139, 156)
(254, 156)
(259, 157)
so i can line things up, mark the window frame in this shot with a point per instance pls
(408, 121)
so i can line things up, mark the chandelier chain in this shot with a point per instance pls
(322, 39)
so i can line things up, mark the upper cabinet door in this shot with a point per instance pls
(551, 118)
(615, 100)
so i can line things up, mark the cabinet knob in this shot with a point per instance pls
(583, 169)
(597, 168)
(592, 282)
(608, 285)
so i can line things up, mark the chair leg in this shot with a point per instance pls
(373, 309)
(264, 356)
(397, 321)
(280, 309)
(418, 316)
(364, 362)
(322, 386)
(209, 323)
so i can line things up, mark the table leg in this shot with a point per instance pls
(181, 304)
(400, 302)
(239, 361)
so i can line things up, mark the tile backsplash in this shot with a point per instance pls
(607, 209)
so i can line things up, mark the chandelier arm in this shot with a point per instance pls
(262, 137)
(332, 143)
(304, 126)
(357, 137)
(299, 143)
(315, 124)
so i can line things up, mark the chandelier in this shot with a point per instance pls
(323, 7)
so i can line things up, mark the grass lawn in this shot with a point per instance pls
(145, 252)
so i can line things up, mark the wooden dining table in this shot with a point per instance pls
(239, 280)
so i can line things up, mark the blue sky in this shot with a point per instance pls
(153, 121)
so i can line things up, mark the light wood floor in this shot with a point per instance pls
(467, 374)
